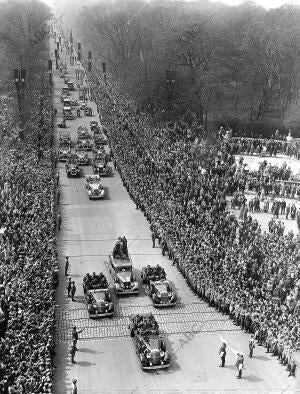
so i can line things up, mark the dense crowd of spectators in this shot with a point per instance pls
(262, 147)
(28, 261)
(181, 185)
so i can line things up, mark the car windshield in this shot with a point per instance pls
(124, 268)
(162, 286)
(98, 295)
(93, 180)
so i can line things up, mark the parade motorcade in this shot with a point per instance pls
(152, 273)
(62, 124)
(67, 101)
(67, 113)
(65, 90)
(81, 96)
(150, 346)
(64, 151)
(99, 150)
(72, 167)
(83, 105)
(98, 299)
(88, 111)
(74, 102)
(94, 125)
(83, 132)
(122, 270)
(63, 96)
(100, 139)
(94, 187)
(84, 143)
(161, 293)
(65, 137)
(71, 86)
(158, 287)
(82, 157)
(99, 165)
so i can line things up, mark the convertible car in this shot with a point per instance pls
(99, 165)
(99, 139)
(121, 269)
(150, 345)
(82, 157)
(152, 273)
(72, 167)
(84, 143)
(64, 151)
(161, 293)
(65, 138)
(83, 132)
(94, 187)
(97, 296)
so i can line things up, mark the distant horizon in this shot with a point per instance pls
(267, 4)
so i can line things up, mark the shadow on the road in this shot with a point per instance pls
(173, 351)
(88, 350)
(252, 378)
(263, 358)
(106, 191)
(233, 367)
(85, 363)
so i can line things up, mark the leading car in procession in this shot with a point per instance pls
(150, 346)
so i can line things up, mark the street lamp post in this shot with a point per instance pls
(104, 72)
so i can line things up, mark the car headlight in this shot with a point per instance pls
(148, 355)
(162, 354)
(122, 284)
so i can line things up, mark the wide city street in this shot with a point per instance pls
(106, 357)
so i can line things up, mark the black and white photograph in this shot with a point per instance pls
(149, 196)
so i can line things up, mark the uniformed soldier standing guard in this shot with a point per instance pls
(240, 364)
(251, 345)
(222, 354)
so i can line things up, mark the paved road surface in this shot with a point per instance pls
(106, 360)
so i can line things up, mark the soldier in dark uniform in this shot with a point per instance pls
(240, 364)
(222, 354)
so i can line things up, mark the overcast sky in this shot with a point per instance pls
(265, 3)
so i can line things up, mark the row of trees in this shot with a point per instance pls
(242, 61)
(24, 28)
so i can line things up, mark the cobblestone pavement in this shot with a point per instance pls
(183, 318)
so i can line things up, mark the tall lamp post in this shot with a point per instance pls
(50, 71)
(20, 77)
(170, 81)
